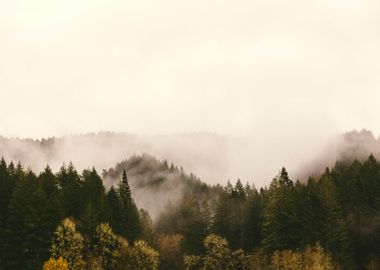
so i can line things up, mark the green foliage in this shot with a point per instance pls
(70, 191)
(114, 210)
(217, 256)
(335, 236)
(68, 243)
(142, 257)
(280, 215)
(192, 262)
(279, 226)
(106, 247)
(132, 228)
(27, 228)
(311, 258)
(148, 233)
(93, 201)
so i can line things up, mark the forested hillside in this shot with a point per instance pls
(206, 154)
(70, 220)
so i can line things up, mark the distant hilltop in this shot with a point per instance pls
(344, 148)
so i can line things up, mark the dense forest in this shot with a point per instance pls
(71, 220)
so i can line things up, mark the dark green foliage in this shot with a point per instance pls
(32, 207)
(131, 225)
(335, 230)
(340, 210)
(113, 211)
(252, 232)
(189, 219)
(70, 193)
(93, 201)
(28, 227)
(280, 227)
(231, 213)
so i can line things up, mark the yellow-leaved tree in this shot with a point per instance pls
(53, 264)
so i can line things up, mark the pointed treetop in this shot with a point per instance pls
(372, 158)
(284, 178)
(124, 185)
(3, 164)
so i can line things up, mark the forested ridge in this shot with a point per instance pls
(70, 220)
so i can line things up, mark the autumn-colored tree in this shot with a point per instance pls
(53, 264)
(170, 249)
(217, 256)
(106, 247)
(68, 243)
(139, 256)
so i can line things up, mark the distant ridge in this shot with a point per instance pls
(344, 148)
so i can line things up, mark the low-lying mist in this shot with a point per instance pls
(345, 147)
(214, 158)
(156, 183)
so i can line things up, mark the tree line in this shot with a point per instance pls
(67, 220)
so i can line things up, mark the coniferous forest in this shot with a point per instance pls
(69, 220)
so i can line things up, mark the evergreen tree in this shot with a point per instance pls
(70, 191)
(280, 216)
(93, 198)
(335, 237)
(48, 183)
(114, 211)
(252, 232)
(6, 189)
(16, 246)
(148, 233)
(132, 229)
(38, 230)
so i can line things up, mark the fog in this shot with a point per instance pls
(274, 80)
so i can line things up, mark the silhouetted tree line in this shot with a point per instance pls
(69, 220)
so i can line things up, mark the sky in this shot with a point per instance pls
(286, 74)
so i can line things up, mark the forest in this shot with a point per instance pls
(72, 220)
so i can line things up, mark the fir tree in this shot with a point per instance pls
(132, 229)
(280, 215)
(114, 211)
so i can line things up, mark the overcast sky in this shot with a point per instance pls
(268, 69)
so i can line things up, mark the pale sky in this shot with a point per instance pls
(298, 71)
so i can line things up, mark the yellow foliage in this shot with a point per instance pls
(170, 250)
(53, 264)
(312, 258)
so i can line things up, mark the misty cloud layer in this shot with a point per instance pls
(214, 158)
(242, 68)
(277, 79)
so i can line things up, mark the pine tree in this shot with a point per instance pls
(38, 230)
(280, 215)
(70, 191)
(132, 229)
(6, 189)
(148, 234)
(335, 238)
(252, 230)
(16, 247)
(93, 198)
(48, 183)
(114, 211)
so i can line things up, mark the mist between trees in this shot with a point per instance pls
(67, 218)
